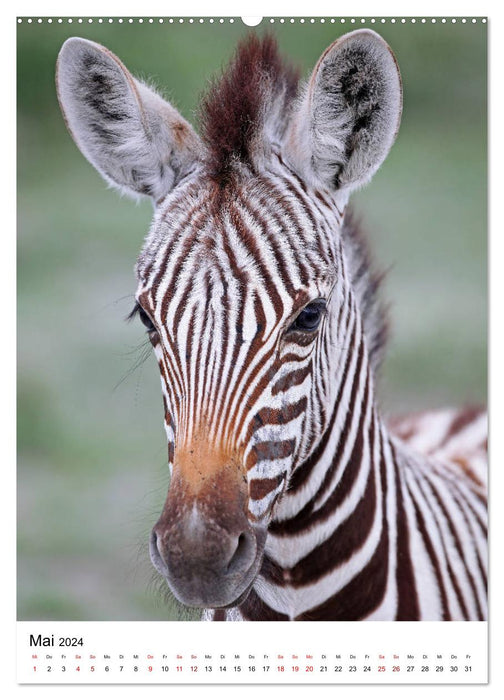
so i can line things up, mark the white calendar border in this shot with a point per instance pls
(258, 8)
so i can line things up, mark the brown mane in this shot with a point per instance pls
(259, 87)
(237, 105)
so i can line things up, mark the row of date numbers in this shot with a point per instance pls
(263, 669)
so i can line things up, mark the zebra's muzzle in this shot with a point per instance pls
(206, 549)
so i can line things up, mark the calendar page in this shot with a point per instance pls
(252, 322)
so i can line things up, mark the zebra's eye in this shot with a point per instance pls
(144, 318)
(308, 320)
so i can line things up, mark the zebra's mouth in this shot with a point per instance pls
(197, 575)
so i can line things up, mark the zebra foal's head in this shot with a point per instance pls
(244, 286)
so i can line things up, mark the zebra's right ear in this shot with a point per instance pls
(135, 139)
(349, 115)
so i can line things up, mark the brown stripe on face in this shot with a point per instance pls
(208, 315)
(257, 342)
(169, 365)
(216, 380)
(191, 232)
(308, 518)
(300, 195)
(171, 381)
(294, 378)
(243, 278)
(189, 391)
(307, 254)
(270, 450)
(252, 244)
(276, 416)
(308, 205)
(213, 368)
(181, 308)
(283, 269)
(176, 207)
(259, 488)
(302, 474)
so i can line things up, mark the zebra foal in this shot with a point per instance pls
(290, 498)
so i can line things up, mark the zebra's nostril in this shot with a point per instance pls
(155, 553)
(243, 555)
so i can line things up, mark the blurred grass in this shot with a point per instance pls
(92, 466)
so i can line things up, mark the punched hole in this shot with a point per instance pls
(251, 21)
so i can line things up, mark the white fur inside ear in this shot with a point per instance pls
(349, 115)
(135, 139)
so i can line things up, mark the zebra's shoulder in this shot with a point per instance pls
(456, 438)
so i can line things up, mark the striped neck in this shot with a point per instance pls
(336, 518)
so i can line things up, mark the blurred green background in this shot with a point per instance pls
(92, 467)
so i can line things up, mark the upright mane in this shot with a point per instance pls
(251, 99)
(367, 284)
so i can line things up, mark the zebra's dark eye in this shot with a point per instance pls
(308, 320)
(144, 318)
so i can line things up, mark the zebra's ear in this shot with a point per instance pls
(134, 138)
(349, 115)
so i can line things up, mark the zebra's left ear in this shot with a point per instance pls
(349, 116)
